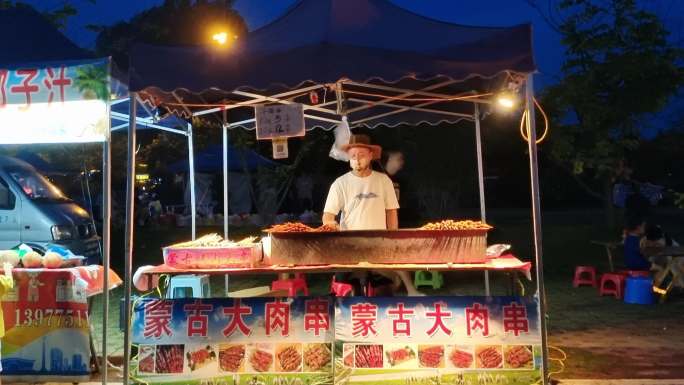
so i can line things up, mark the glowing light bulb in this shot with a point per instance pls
(506, 100)
(220, 37)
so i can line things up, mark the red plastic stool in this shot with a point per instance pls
(291, 285)
(618, 283)
(579, 280)
(635, 273)
(340, 289)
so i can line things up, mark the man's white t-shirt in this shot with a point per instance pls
(362, 200)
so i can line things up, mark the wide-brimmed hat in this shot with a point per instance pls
(363, 141)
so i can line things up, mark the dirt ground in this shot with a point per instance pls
(604, 338)
(647, 349)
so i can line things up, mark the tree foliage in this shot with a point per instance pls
(58, 17)
(175, 22)
(619, 68)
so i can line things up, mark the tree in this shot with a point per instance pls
(58, 17)
(619, 68)
(176, 22)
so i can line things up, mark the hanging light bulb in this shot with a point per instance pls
(506, 99)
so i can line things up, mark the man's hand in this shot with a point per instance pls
(8, 269)
(329, 220)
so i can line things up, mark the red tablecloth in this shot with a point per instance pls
(93, 275)
(503, 263)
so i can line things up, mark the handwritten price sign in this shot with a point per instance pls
(279, 121)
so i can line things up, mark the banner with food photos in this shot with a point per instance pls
(433, 340)
(249, 341)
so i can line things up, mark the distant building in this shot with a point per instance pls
(77, 363)
(18, 365)
(56, 358)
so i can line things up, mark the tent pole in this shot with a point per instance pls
(224, 129)
(536, 219)
(106, 219)
(130, 223)
(480, 179)
(193, 203)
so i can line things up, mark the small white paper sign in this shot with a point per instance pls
(279, 121)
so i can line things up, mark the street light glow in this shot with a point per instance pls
(220, 37)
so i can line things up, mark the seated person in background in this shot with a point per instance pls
(655, 237)
(634, 230)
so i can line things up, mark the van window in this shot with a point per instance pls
(36, 186)
(6, 196)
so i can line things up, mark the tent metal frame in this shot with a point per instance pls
(385, 101)
(402, 95)
(151, 122)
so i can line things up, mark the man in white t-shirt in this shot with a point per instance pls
(365, 199)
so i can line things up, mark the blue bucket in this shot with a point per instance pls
(639, 290)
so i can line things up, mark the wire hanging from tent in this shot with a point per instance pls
(560, 360)
(546, 124)
(434, 99)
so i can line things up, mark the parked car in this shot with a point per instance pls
(36, 212)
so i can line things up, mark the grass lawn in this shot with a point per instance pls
(594, 331)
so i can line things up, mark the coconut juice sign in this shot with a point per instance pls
(58, 102)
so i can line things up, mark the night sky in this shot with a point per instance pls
(548, 50)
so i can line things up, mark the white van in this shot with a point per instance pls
(35, 212)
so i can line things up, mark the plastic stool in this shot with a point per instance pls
(639, 290)
(618, 283)
(578, 280)
(340, 289)
(188, 286)
(428, 278)
(291, 285)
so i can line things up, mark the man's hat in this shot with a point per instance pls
(363, 141)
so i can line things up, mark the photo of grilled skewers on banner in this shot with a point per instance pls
(518, 357)
(400, 355)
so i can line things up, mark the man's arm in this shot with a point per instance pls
(392, 218)
(329, 219)
(333, 205)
